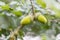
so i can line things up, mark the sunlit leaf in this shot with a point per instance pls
(5, 7)
(57, 11)
(41, 2)
(17, 13)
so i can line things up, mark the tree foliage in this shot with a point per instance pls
(13, 12)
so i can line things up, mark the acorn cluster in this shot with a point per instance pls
(38, 16)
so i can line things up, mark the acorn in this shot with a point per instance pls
(41, 18)
(26, 20)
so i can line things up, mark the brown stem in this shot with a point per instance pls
(13, 33)
(32, 7)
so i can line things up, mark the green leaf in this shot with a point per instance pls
(5, 32)
(12, 21)
(5, 7)
(57, 11)
(23, 1)
(44, 37)
(42, 3)
(17, 13)
(3, 22)
(21, 34)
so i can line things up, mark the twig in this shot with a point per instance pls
(32, 7)
(14, 32)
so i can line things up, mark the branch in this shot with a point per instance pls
(32, 7)
(13, 33)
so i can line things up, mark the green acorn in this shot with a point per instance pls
(41, 18)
